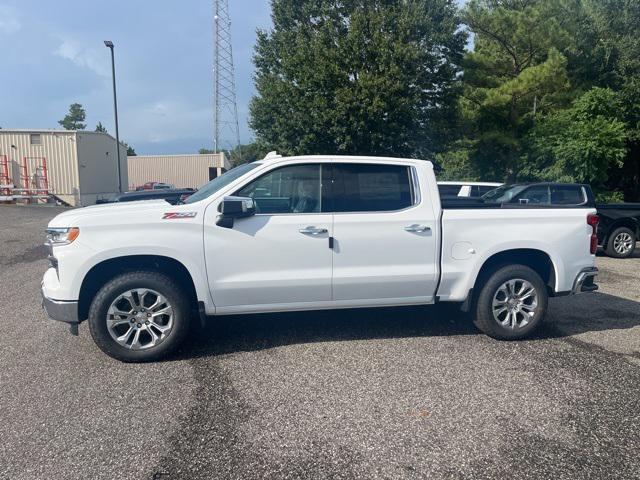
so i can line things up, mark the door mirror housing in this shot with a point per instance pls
(235, 207)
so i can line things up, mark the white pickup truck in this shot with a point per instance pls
(308, 233)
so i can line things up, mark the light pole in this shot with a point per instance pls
(109, 45)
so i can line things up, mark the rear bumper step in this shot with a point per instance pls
(585, 281)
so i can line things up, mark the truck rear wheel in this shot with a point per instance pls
(512, 303)
(621, 243)
(139, 316)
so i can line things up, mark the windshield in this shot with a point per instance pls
(222, 181)
(503, 194)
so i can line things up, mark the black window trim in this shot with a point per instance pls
(414, 184)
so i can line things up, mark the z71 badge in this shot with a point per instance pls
(177, 215)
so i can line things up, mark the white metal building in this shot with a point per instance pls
(79, 166)
(183, 171)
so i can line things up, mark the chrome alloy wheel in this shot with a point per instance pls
(515, 303)
(623, 243)
(140, 319)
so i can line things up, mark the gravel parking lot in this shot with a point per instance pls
(384, 393)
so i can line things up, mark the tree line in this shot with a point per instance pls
(502, 90)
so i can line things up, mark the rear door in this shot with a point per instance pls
(384, 235)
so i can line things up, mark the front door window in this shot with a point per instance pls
(293, 189)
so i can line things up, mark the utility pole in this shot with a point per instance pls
(225, 108)
(109, 45)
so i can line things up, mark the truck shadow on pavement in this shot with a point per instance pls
(230, 334)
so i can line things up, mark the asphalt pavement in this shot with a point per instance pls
(389, 393)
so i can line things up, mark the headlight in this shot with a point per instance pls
(62, 236)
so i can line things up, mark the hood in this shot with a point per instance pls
(95, 213)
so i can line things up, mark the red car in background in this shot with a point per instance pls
(155, 186)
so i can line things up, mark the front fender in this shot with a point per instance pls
(100, 244)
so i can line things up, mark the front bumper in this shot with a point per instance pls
(585, 281)
(62, 311)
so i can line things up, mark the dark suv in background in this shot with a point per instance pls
(172, 196)
(619, 226)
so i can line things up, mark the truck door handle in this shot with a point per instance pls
(313, 230)
(417, 228)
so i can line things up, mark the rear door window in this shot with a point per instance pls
(360, 187)
(567, 195)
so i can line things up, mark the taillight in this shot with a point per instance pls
(593, 220)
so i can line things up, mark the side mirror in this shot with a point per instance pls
(235, 207)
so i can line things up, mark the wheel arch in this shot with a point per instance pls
(105, 270)
(538, 260)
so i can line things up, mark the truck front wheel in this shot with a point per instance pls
(511, 303)
(139, 316)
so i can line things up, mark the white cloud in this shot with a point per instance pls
(9, 22)
(94, 60)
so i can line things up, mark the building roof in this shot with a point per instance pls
(37, 130)
(183, 155)
(54, 131)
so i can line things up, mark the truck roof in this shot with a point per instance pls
(272, 157)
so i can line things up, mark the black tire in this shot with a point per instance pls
(158, 282)
(614, 240)
(484, 317)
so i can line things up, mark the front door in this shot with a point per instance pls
(385, 248)
(280, 257)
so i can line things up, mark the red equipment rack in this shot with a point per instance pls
(34, 187)
(6, 186)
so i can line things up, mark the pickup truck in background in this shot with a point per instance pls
(309, 233)
(619, 227)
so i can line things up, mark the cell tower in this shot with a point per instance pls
(225, 108)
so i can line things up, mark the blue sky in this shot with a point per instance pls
(52, 54)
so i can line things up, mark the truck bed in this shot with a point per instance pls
(465, 203)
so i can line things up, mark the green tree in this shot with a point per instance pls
(514, 72)
(246, 153)
(100, 128)
(130, 151)
(249, 152)
(357, 77)
(74, 118)
(606, 53)
(585, 142)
